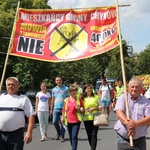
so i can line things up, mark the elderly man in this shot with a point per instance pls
(138, 123)
(13, 106)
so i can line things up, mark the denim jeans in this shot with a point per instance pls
(12, 140)
(43, 117)
(57, 123)
(73, 130)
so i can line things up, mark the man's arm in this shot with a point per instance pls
(121, 116)
(99, 93)
(51, 105)
(125, 120)
(28, 135)
(143, 122)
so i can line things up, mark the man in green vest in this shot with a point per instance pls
(119, 89)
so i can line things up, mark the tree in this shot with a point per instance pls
(85, 70)
(142, 60)
(32, 72)
(115, 67)
(7, 11)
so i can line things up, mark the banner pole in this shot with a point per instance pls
(8, 51)
(123, 70)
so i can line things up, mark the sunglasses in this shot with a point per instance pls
(73, 91)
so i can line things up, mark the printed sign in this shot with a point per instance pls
(64, 35)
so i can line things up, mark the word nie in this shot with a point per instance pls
(29, 45)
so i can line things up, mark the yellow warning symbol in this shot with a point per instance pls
(68, 41)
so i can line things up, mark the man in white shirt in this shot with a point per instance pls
(13, 106)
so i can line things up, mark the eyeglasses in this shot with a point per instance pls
(73, 91)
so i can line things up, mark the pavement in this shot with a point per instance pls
(106, 138)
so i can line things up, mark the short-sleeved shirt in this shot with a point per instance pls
(12, 111)
(105, 91)
(138, 110)
(43, 104)
(59, 94)
(71, 111)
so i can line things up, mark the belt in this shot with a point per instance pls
(17, 130)
(10, 109)
(57, 109)
(133, 139)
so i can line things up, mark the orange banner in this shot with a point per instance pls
(145, 78)
(64, 35)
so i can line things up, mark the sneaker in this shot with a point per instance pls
(57, 137)
(62, 139)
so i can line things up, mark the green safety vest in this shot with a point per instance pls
(89, 103)
(119, 91)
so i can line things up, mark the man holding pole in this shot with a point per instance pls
(134, 128)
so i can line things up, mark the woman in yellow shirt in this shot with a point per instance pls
(90, 101)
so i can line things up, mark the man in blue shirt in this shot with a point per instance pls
(59, 93)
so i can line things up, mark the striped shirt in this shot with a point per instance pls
(59, 94)
(138, 110)
(12, 111)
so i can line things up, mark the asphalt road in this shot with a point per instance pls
(106, 139)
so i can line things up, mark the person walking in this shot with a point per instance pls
(138, 123)
(90, 101)
(119, 90)
(79, 89)
(59, 93)
(113, 96)
(13, 106)
(105, 96)
(43, 99)
(72, 115)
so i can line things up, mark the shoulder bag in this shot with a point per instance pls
(101, 120)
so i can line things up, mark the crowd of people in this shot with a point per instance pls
(69, 106)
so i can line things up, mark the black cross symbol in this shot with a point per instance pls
(68, 41)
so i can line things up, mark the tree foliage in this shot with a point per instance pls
(142, 60)
(32, 72)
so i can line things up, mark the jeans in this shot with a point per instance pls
(57, 123)
(12, 140)
(73, 130)
(43, 117)
(91, 131)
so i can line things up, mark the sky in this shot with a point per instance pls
(134, 19)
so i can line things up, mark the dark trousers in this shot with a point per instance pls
(12, 140)
(91, 131)
(73, 130)
(123, 144)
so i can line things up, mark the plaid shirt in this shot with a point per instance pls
(138, 110)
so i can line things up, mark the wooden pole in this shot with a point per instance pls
(8, 51)
(123, 71)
